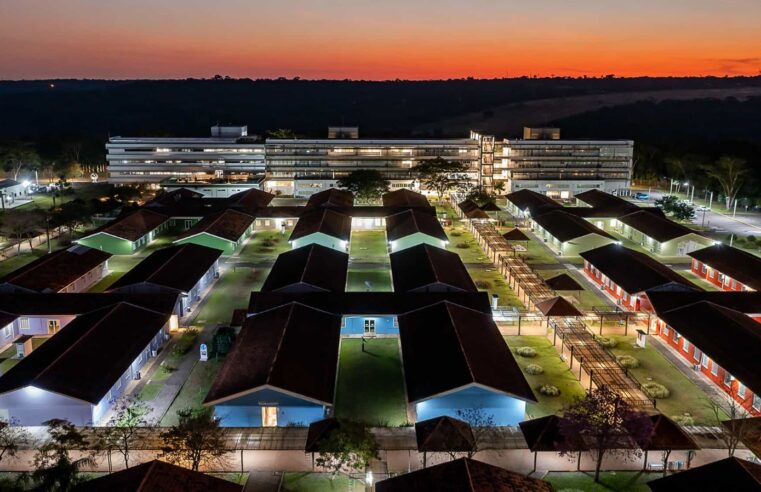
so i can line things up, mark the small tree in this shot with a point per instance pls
(481, 424)
(606, 424)
(17, 155)
(441, 176)
(197, 440)
(348, 447)
(22, 225)
(122, 430)
(54, 468)
(367, 184)
(730, 173)
(481, 196)
(11, 437)
(281, 133)
(734, 429)
(672, 205)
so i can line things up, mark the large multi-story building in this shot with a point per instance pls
(302, 167)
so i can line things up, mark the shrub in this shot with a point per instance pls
(455, 233)
(268, 242)
(683, 419)
(462, 246)
(655, 390)
(186, 342)
(534, 369)
(483, 284)
(606, 342)
(529, 352)
(549, 390)
(627, 361)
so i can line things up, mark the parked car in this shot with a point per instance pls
(641, 196)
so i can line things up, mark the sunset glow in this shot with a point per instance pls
(370, 39)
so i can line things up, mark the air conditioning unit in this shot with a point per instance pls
(137, 376)
(696, 367)
(154, 353)
(602, 287)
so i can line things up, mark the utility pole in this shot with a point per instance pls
(692, 196)
(710, 201)
(734, 211)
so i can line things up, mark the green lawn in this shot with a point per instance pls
(231, 292)
(368, 247)
(150, 391)
(370, 385)
(685, 396)
(194, 390)
(319, 482)
(556, 373)
(700, 282)
(104, 283)
(609, 481)
(14, 262)
(487, 278)
(265, 246)
(380, 280)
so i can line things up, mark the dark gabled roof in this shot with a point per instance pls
(532, 201)
(668, 435)
(463, 475)
(515, 234)
(82, 302)
(490, 207)
(614, 211)
(176, 267)
(405, 198)
(183, 203)
(633, 271)
(133, 226)
(228, 224)
(557, 306)
(730, 338)
(738, 264)
(423, 265)
(156, 476)
(444, 434)
(326, 221)
(332, 197)
(412, 221)
(659, 228)
(293, 348)
(566, 227)
(380, 303)
(251, 200)
(7, 183)
(471, 210)
(728, 474)
(563, 282)
(54, 271)
(597, 198)
(313, 265)
(469, 351)
(7, 318)
(88, 355)
(318, 431)
(744, 302)
(543, 434)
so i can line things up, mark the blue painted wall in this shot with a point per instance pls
(246, 411)
(505, 409)
(355, 325)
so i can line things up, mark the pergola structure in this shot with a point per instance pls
(596, 365)
(622, 316)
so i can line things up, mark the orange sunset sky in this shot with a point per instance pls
(377, 39)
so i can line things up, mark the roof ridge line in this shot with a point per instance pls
(279, 344)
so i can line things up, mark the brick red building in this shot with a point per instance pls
(727, 268)
(626, 274)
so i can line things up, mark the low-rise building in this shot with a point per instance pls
(660, 235)
(727, 268)
(322, 226)
(412, 227)
(426, 268)
(470, 367)
(12, 192)
(74, 269)
(281, 371)
(127, 234)
(311, 268)
(186, 270)
(626, 274)
(79, 372)
(226, 231)
(567, 234)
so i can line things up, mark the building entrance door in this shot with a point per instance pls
(369, 327)
(269, 416)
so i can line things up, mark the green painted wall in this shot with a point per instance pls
(414, 240)
(203, 239)
(107, 243)
(322, 239)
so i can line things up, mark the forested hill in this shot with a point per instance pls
(36, 110)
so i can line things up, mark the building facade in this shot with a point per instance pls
(302, 167)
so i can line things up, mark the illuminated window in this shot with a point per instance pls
(757, 402)
(23, 323)
(269, 416)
